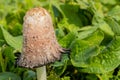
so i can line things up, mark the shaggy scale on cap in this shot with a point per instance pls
(40, 46)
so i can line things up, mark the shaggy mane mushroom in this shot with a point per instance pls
(40, 45)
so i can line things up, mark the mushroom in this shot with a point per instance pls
(40, 45)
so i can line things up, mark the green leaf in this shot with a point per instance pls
(62, 62)
(59, 33)
(114, 25)
(65, 78)
(2, 61)
(8, 53)
(107, 60)
(7, 58)
(29, 75)
(106, 28)
(115, 12)
(112, 2)
(15, 42)
(67, 40)
(74, 17)
(91, 77)
(9, 76)
(83, 3)
(61, 65)
(69, 27)
(53, 76)
(83, 50)
(96, 38)
(86, 31)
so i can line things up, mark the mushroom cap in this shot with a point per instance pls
(40, 46)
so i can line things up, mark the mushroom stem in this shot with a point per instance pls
(41, 73)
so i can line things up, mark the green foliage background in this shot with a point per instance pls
(90, 28)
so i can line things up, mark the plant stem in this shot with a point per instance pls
(41, 73)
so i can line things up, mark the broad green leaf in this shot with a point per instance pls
(29, 75)
(67, 40)
(114, 25)
(83, 3)
(97, 19)
(109, 1)
(70, 27)
(9, 76)
(83, 50)
(98, 13)
(61, 65)
(114, 45)
(15, 42)
(74, 17)
(71, 19)
(86, 31)
(106, 28)
(62, 62)
(115, 12)
(96, 38)
(107, 60)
